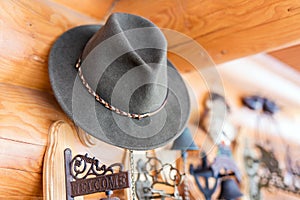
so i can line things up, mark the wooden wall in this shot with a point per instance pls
(28, 28)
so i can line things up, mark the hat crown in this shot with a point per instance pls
(125, 62)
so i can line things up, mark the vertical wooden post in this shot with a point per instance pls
(68, 177)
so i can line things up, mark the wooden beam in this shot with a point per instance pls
(23, 197)
(228, 30)
(61, 136)
(26, 114)
(27, 38)
(28, 31)
(20, 183)
(95, 8)
(21, 156)
(290, 56)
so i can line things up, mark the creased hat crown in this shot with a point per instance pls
(125, 62)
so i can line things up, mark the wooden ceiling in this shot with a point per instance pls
(290, 56)
(226, 29)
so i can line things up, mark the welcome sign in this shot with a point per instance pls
(100, 184)
(85, 175)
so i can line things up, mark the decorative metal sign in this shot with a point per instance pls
(264, 169)
(154, 173)
(85, 175)
(272, 175)
(100, 184)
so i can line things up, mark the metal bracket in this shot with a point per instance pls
(152, 173)
(85, 175)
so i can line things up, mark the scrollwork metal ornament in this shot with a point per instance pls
(86, 175)
(263, 169)
(83, 166)
(264, 172)
(152, 173)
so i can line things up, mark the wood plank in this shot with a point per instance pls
(228, 30)
(27, 32)
(94, 8)
(20, 183)
(11, 197)
(289, 55)
(61, 136)
(26, 114)
(21, 156)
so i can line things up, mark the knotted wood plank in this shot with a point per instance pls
(95, 8)
(21, 156)
(228, 30)
(290, 56)
(20, 183)
(28, 31)
(26, 114)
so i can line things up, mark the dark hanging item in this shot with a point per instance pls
(253, 102)
(229, 189)
(185, 142)
(204, 171)
(259, 103)
(270, 107)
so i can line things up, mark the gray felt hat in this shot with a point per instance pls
(115, 82)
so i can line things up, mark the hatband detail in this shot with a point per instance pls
(111, 107)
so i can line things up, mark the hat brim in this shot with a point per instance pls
(149, 133)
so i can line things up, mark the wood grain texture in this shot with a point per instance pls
(61, 136)
(26, 114)
(25, 117)
(21, 156)
(227, 30)
(20, 183)
(290, 56)
(18, 197)
(95, 8)
(54, 186)
(27, 32)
